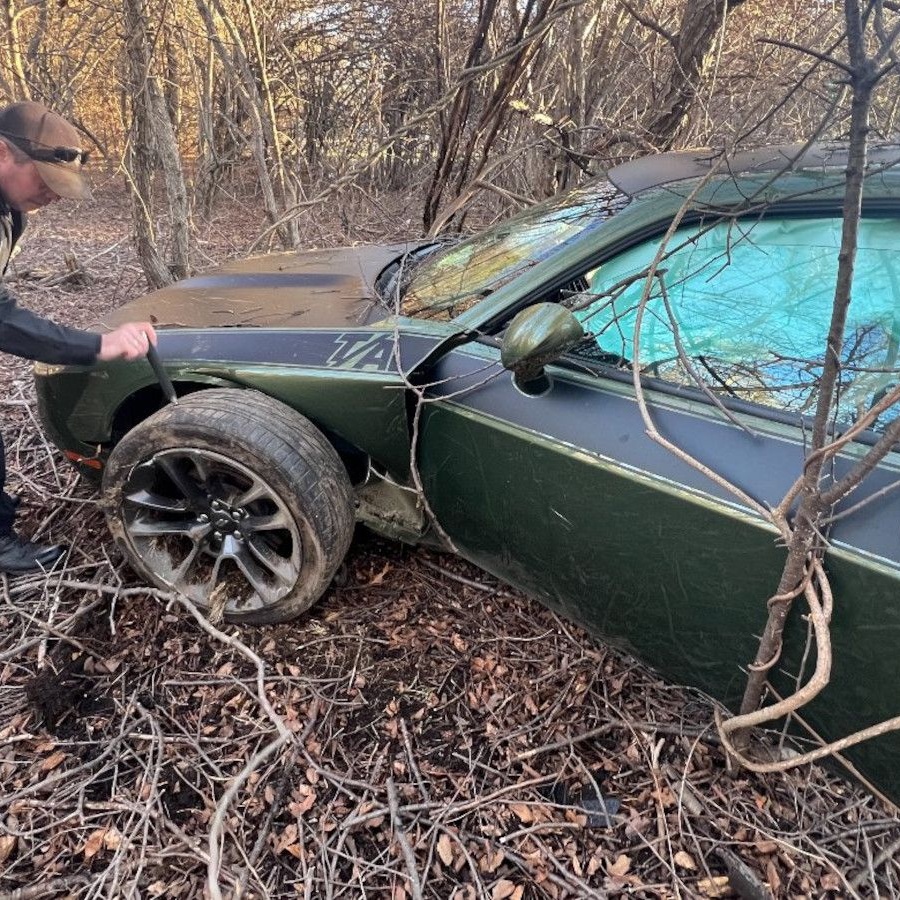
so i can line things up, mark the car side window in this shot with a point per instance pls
(744, 307)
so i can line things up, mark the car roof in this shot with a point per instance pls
(648, 172)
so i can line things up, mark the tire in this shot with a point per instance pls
(234, 500)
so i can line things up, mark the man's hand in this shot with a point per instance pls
(128, 341)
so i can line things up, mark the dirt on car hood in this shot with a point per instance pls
(319, 288)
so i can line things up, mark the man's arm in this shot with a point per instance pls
(24, 333)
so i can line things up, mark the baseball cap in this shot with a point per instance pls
(52, 144)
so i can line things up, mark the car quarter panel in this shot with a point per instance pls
(347, 381)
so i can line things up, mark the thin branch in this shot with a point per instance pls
(650, 23)
(808, 51)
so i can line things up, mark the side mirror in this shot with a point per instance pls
(536, 336)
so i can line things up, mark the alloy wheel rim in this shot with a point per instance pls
(212, 529)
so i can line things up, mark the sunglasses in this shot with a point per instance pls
(60, 154)
(45, 153)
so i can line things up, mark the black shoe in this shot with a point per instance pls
(18, 556)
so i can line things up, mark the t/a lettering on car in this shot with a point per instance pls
(367, 353)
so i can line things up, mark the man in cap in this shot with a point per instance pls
(41, 161)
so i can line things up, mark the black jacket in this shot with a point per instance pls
(23, 333)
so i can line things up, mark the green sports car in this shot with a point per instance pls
(480, 395)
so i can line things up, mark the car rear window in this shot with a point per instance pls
(749, 305)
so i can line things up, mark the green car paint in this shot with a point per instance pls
(609, 535)
(672, 577)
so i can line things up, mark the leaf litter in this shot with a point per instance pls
(430, 733)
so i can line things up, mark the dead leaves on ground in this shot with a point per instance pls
(101, 839)
(433, 683)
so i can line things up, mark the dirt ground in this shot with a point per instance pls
(423, 732)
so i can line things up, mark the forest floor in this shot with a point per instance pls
(423, 731)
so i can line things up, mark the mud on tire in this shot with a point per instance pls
(233, 499)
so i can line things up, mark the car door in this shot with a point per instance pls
(560, 491)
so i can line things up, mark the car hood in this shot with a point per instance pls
(320, 288)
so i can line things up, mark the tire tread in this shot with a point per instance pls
(278, 437)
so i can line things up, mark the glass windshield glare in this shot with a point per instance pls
(451, 281)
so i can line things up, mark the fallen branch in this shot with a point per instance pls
(409, 858)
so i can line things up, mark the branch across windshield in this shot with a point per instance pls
(451, 281)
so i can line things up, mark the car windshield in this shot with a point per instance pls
(451, 281)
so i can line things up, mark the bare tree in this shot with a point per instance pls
(247, 70)
(871, 32)
(152, 140)
(692, 45)
(13, 76)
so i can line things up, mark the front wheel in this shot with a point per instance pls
(234, 500)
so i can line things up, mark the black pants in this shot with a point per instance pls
(7, 504)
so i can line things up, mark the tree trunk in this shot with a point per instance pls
(153, 140)
(17, 87)
(702, 21)
(236, 65)
(807, 527)
(452, 130)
